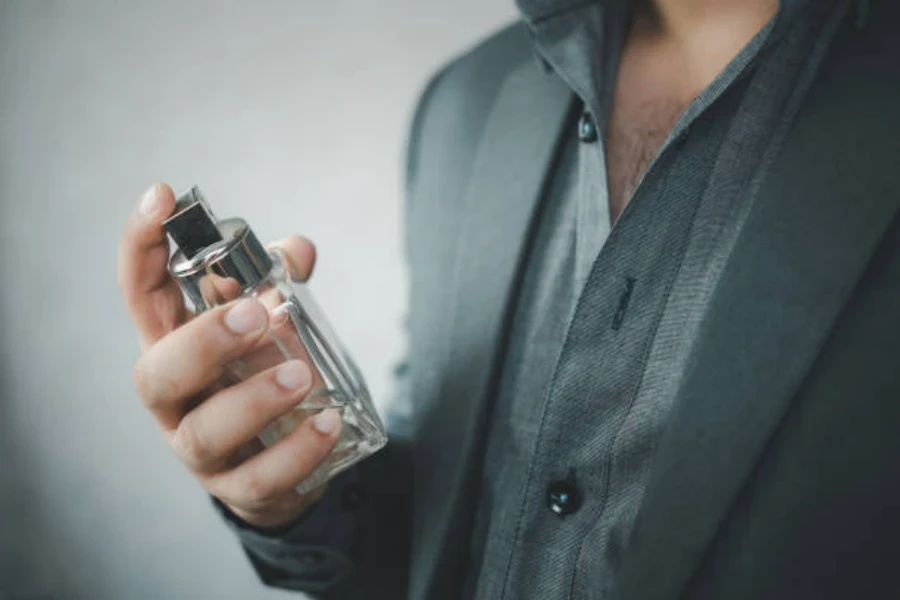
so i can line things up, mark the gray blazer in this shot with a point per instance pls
(778, 475)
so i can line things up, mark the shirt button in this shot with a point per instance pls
(587, 129)
(563, 498)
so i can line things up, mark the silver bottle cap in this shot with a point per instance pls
(215, 261)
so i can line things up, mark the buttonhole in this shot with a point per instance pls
(624, 299)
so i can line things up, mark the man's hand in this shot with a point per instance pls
(213, 428)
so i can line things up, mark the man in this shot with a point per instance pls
(655, 272)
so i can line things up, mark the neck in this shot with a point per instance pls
(686, 19)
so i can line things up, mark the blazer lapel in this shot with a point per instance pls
(814, 226)
(513, 158)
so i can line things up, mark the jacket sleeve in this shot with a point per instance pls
(313, 554)
(353, 544)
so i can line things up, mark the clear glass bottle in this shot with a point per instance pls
(217, 261)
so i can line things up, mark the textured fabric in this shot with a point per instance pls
(589, 416)
(313, 554)
(776, 473)
(495, 216)
(758, 118)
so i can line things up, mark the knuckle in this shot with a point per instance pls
(150, 385)
(190, 446)
(259, 490)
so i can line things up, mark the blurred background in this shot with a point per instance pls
(290, 114)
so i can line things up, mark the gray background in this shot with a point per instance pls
(290, 114)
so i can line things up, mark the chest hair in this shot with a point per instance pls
(635, 132)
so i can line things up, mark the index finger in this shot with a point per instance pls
(151, 295)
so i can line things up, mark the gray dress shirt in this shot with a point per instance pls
(606, 317)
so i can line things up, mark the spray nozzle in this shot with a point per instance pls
(193, 226)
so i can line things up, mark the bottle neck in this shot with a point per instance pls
(224, 271)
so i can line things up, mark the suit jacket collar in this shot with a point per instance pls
(513, 159)
(817, 220)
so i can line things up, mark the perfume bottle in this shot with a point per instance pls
(217, 261)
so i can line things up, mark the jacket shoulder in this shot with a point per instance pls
(489, 59)
(457, 100)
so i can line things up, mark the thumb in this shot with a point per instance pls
(151, 295)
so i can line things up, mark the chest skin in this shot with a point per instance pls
(659, 75)
(647, 101)
(639, 124)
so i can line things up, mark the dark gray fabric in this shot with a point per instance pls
(776, 472)
(311, 555)
(495, 215)
(757, 120)
(619, 394)
(779, 307)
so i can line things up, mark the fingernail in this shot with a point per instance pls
(149, 203)
(327, 421)
(246, 316)
(293, 375)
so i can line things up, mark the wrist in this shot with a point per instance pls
(277, 521)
